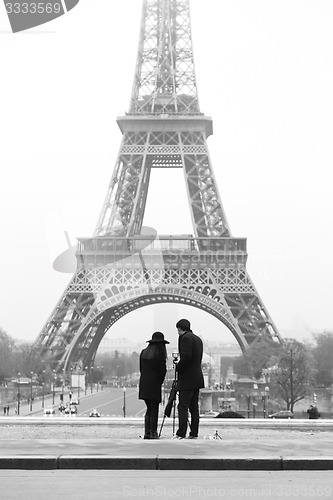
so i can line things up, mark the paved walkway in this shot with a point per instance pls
(246, 445)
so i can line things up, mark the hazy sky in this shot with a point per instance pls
(265, 75)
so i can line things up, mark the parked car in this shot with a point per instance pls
(48, 412)
(71, 410)
(94, 413)
(282, 414)
(209, 414)
(229, 414)
(61, 407)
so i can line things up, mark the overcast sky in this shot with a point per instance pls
(264, 73)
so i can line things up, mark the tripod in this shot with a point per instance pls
(171, 404)
(217, 435)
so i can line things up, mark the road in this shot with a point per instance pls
(118, 484)
(109, 402)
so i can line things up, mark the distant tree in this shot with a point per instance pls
(28, 359)
(256, 358)
(121, 365)
(292, 372)
(226, 363)
(323, 354)
(7, 350)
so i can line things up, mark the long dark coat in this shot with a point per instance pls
(152, 377)
(189, 367)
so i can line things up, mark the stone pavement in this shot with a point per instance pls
(108, 443)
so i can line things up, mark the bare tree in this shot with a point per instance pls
(323, 353)
(292, 373)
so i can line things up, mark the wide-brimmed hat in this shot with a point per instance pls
(157, 337)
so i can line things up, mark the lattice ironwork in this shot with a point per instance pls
(118, 270)
(165, 78)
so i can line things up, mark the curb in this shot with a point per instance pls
(107, 462)
(27, 462)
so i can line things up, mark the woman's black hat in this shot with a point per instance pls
(157, 337)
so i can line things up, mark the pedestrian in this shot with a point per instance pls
(190, 379)
(152, 374)
(313, 412)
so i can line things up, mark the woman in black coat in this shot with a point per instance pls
(152, 370)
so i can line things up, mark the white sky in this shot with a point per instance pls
(265, 75)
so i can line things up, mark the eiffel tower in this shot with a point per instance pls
(124, 266)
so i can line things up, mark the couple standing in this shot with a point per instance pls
(190, 379)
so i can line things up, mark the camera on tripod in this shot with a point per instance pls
(175, 356)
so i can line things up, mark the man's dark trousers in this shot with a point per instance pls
(188, 400)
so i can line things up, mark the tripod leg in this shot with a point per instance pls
(159, 435)
(174, 417)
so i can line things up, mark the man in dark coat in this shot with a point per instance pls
(190, 378)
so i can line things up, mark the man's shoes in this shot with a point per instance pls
(192, 437)
(177, 437)
(154, 435)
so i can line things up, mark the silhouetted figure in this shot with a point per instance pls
(190, 378)
(152, 370)
(313, 412)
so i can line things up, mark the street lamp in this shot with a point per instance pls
(71, 381)
(248, 399)
(124, 407)
(53, 387)
(85, 381)
(265, 396)
(102, 378)
(91, 377)
(63, 385)
(18, 392)
(43, 389)
(97, 380)
(291, 381)
(31, 374)
(78, 385)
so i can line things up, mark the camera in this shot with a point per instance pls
(175, 356)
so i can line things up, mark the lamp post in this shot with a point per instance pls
(265, 396)
(85, 381)
(102, 378)
(124, 407)
(291, 381)
(79, 385)
(18, 393)
(91, 377)
(53, 387)
(31, 374)
(43, 389)
(70, 381)
(248, 399)
(63, 385)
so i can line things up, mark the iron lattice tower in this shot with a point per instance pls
(119, 269)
